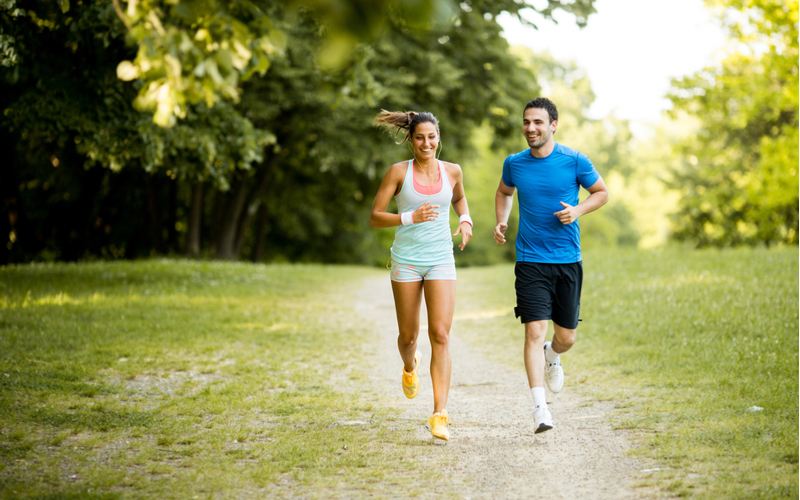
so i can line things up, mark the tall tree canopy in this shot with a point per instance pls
(274, 156)
(739, 183)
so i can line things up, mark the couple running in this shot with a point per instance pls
(548, 271)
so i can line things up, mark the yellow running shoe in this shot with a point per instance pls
(411, 380)
(438, 423)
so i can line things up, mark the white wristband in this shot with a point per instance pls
(407, 218)
(465, 218)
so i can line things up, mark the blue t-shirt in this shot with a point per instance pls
(541, 184)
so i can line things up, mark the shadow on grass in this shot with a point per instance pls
(19, 402)
(52, 380)
(83, 494)
(95, 418)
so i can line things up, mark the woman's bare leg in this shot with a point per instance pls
(440, 300)
(407, 301)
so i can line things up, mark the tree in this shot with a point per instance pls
(739, 181)
(463, 72)
(331, 159)
(64, 108)
(284, 169)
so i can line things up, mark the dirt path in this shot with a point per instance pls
(497, 456)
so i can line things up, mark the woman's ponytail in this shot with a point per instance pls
(394, 122)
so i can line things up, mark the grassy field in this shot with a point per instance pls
(687, 343)
(176, 379)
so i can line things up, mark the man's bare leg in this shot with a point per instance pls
(563, 338)
(535, 333)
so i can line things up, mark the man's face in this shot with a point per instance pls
(537, 127)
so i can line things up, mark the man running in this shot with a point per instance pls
(548, 272)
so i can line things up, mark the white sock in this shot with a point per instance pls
(549, 354)
(539, 397)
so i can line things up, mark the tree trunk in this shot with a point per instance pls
(193, 223)
(217, 213)
(237, 221)
(155, 215)
(244, 225)
(10, 206)
(172, 215)
(261, 233)
(263, 178)
(229, 225)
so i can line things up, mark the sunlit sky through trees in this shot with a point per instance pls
(630, 50)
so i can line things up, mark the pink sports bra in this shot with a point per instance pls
(435, 188)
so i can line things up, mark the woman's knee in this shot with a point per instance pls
(439, 335)
(407, 338)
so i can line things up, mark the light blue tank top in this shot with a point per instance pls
(425, 243)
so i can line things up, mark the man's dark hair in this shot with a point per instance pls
(543, 103)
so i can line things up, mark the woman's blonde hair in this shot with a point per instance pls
(395, 121)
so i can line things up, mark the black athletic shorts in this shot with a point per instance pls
(549, 291)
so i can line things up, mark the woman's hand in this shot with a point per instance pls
(465, 228)
(426, 213)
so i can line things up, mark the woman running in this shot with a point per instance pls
(422, 252)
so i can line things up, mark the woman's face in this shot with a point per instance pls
(425, 140)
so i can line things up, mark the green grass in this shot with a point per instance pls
(684, 342)
(174, 379)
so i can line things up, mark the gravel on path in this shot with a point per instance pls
(493, 452)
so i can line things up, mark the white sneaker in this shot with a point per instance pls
(542, 419)
(554, 375)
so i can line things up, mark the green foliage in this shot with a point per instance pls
(207, 145)
(195, 50)
(65, 113)
(78, 104)
(482, 172)
(329, 153)
(288, 172)
(8, 50)
(739, 181)
(684, 342)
